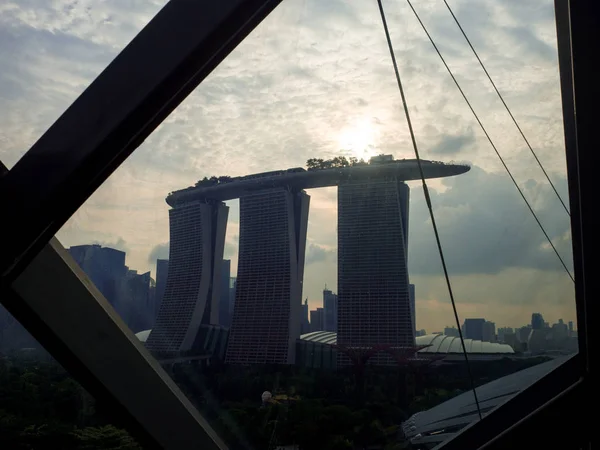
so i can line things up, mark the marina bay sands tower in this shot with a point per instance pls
(266, 317)
(374, 306)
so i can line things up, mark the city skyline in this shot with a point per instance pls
(300, 87)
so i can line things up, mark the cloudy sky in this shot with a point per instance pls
(315, 80)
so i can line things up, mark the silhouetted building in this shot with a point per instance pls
(316, 320)
(373, 286)
(131, 295)
(489, 332)
(473, 329)
(266, 318)
(232, 288)
(104, 266)
(304, 322)
(503, 331)
(523, 334)
(162, 270)
(330, 310)
(451, 331)
(136, 305)
(413, 311)
(511, 339)
(421, 333)
(537, 321)
(191, 298)
(224, 312)
(571, 328)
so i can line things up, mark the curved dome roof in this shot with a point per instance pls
(438, 343)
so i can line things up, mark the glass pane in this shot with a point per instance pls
(260, 242)
(50, 52)
(42, 406)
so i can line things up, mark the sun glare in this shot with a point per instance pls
(358, 139)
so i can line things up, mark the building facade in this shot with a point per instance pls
(374, 304)
(192, 293)
(317, 320)
(489, 332)
(330, 310)
(451, 331)
(105, 266)
(537, 321)
(224, 307)
(266, 317)
(304, 322)
(413, 311)
(473, 329)
(162, 270)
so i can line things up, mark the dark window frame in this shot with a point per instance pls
(94, 136)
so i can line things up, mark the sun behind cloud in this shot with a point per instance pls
(358, 139)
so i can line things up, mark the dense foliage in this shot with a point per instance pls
(41, 406)
(325, 410)
(338, 161)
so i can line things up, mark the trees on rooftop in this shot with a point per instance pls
(337, 162)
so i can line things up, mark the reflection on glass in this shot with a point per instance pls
(42, 406)
(271, 245)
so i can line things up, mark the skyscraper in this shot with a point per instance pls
(135, 303)
(413, 312)
(451, 331)
(537, 321)
(373, 286)
(232, 289)
(304, 323)
(104, 265)
(224, 313)
(317, 319)
(473, 329)
(330, 310)
(162, 270)
(266, 317)
(192, 293)
(488, 333)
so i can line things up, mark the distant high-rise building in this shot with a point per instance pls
(413, 311)
(511, 339)
(451, 331)
(135, 305)
(104, 266)
(317, 317)
(162, 270)
(132, 295)
(523, 334)
(266, 317)
(373, 286)
(421, 333)
(304, 322)
(473, 329)
(537, 321)
(330, 310)
(192, 294)
(560, 330)
(503, 331)
(489, 332)
(232, 288)
(224, 314)
(571, 327)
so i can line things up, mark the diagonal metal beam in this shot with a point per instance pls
(182, 44)
(89, 338)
